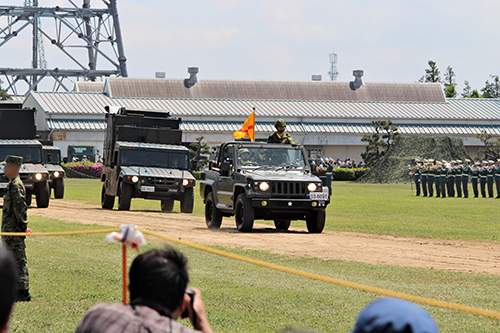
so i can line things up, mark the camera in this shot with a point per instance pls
(185, 313)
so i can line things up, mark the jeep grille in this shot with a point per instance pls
(288, 189)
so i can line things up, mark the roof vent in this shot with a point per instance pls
(316, 77)
(160, 75)
(354, 85)
(188, 83)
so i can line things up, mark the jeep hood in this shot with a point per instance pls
(281, 175)
(155, 172)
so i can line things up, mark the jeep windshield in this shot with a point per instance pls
(156, 158)
(51, 156)
(263, 157)
(29, 154)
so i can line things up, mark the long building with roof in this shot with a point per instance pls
(328, 118)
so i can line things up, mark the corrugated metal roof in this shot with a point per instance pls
(274, 90)
(51, 148)
(93, 103)
(294, 127)
(88, 86)
(20, 142)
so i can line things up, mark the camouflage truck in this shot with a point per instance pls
(17, 137)
(255, 180)
(52, 162)
(143, 158)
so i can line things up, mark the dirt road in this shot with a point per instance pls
(465, 256)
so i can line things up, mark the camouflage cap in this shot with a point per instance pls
(242, 151)
(280, 122)
(10, 159)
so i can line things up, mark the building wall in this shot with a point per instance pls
(63, 139)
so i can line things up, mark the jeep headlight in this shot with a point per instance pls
(135, 179)
(56, 174)
(312, 187)
(38, 176)
(264, 186)
(185, 182)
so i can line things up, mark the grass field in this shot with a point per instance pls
(70, 274)
(384, 209)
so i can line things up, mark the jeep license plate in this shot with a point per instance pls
(147, 188)
(4, 185)
(323, 196)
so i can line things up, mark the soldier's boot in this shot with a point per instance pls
(23, 296)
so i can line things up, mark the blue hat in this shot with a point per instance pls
(391, 315)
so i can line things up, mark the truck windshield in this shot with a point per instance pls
(51, 156)
(29, 154)
(154, 158)
(267, 156)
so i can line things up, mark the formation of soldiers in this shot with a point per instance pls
(452, 178)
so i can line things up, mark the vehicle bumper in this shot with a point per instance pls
(286, 205)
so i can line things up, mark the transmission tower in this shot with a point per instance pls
(333, 73)
(83, 34)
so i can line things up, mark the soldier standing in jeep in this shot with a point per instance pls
(280, 136)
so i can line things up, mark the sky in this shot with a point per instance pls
(391, 40)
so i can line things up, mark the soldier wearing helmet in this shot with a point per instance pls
(280, 136)
(244, 155)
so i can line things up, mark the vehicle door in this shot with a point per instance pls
(225, 182)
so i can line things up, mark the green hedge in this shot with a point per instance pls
(343, 173)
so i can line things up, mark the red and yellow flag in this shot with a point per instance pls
(248, 128)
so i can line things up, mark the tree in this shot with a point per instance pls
(491, 150)
(379, 142)
(492, 89)
(432, 73)
(198, 152)
(467, 92)
(3, 94)
(475, 94)
(449, 83)
(450, 91)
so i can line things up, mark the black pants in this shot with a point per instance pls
(474, 186)
(443, 187)
(458, 183)
(497, 182)
(430, 186)
(482, 181)
(451, 185)
(424, 186)
(490, 186)
(438, 187)
(465, 187)
(417, 187)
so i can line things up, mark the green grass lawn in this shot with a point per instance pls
(70, 274)
(386, 209)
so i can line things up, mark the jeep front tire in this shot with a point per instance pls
(213, 216)
(244, 214)
(315, 221)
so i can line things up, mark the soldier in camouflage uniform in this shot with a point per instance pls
(14, 219)
(280, 136)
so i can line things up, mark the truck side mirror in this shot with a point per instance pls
(225, 167)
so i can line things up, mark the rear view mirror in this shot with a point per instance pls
(225, 166)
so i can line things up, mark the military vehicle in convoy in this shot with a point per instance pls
(17, 137)
(255, 180)
(144, 158)
(81, 152)
(52, 162)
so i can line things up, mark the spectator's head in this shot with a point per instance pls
(159, 277)
(392, 315)
(8, 281)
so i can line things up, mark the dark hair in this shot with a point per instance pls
(159, 276)
(8, 281)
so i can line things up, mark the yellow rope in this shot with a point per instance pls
(61, 233)
(359, 286)
(380, 291)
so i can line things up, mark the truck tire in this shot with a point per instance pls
(244, 214)
(124, 196)
(213, 216)
(28, 198)
(59, 188)
(187, 200)
(282, 224)
(42, 194)
(107, 201)
(167, 205)
(315, 221)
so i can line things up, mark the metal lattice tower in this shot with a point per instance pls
(83, 34)
(333, 73)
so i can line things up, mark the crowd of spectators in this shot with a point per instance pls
(347, 163)
(160, 295)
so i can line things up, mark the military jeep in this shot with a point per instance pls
(52, 162)
(254, 180)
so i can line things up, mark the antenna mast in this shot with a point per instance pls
(333, 73)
